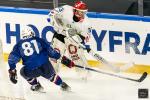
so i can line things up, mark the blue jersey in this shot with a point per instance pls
(33, 51)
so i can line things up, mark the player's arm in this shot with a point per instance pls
(56, 55)
(13, 59)
(64, 60)
(83, 37)
(54, 18)
(86, 33)
(47, 47)
(53, 53)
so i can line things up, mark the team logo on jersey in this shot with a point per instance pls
(73, 52)
(72, 49)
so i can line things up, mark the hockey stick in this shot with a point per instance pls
(143, 76)
(101, 59)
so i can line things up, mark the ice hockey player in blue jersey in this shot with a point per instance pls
(35, 53)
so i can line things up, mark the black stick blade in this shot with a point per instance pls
(144, 75)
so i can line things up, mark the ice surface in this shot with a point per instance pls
(97, 87)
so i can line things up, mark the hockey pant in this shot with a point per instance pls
(46, 70)
(58, 43)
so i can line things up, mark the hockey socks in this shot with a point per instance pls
(56, 79)
(32, 81)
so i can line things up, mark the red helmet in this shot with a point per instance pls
(80, 5)
(80, 10)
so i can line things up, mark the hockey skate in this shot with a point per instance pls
(38, 88)
(65, 87)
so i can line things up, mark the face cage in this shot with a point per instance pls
(80, 13)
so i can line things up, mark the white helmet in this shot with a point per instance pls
(27, 32)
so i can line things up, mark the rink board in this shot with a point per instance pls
(118, 38)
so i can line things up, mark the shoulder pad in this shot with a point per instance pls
(56, 11)
(59, 9)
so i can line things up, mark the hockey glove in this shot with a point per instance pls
(67, 62)
(13, 75)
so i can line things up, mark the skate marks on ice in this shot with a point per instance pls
(10, 98)
(97, 87)
(53, 92)
(9, 91)
(104, 87)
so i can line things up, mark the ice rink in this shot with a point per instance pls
(96, 87)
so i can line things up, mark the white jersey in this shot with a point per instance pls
(62, 19)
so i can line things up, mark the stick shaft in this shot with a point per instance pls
(114, 75)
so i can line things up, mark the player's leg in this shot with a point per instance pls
(30, 77)
(58, 44)
(84, 63)
(77, 56)
(50, 74)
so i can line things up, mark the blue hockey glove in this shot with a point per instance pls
(13, 75)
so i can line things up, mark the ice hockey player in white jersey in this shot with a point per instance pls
(71, 23)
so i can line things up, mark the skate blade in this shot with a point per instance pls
(68, 90)
(40, 91)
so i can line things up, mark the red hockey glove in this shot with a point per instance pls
(67, 62)
(13, 75)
